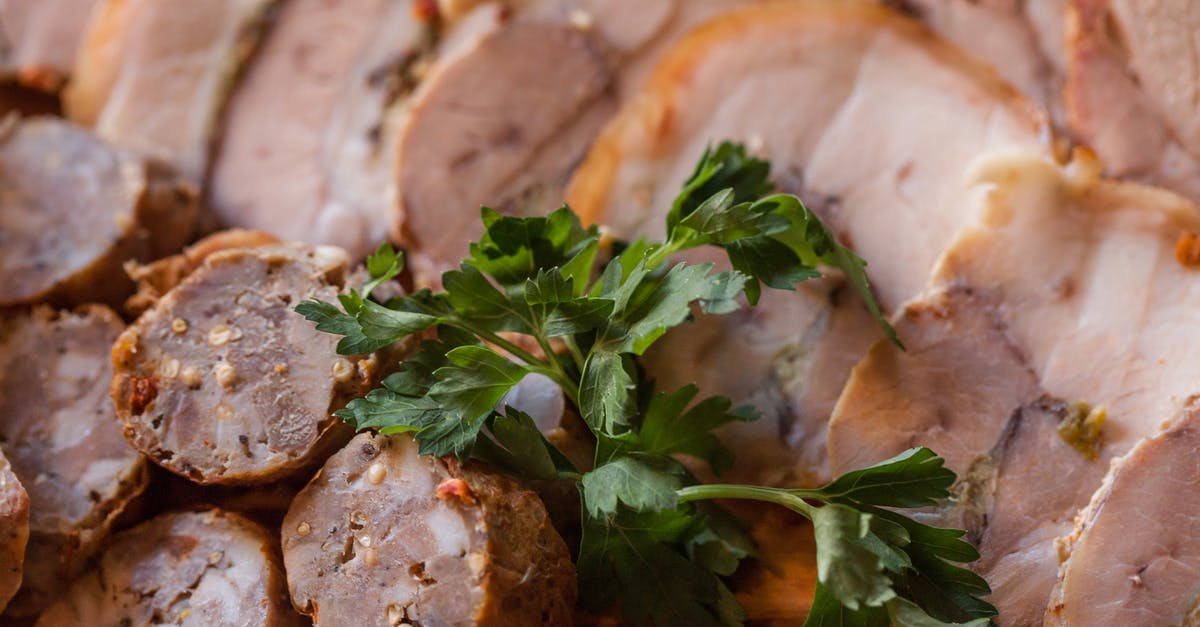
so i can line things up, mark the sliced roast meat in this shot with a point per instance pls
(14, 532)
(73, 209)
(307, 148)
(469, 139)
(39, 39)
(797, 350)
(842, 72)
(191, 569)
(153, 75)
(1054, 339)
(1133, 83)
(1021, 39)
(222, 382)
(384, 536)
(1133, 557)
(59, 431)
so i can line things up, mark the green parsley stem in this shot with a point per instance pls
(745, 492)
(576, 354)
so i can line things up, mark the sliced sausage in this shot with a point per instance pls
(14, 531)
(61, 435)
(222, 382)
(201, 568)
(73, 209)
(385, 536)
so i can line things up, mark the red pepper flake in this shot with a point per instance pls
(143, 393)
(425, 10)
(456, 488)
(1187, 250)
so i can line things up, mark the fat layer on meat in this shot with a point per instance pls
(863, 72)
(73, 209)
(14, 532)
(153, 75)
(39, 39)
(190, 569)
(1133, 83)
(1065, 306)
(61, 435)
(221, 381)
(1132, 558)
(308, 141)
(384, 536)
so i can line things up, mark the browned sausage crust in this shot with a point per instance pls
(61, 435)
(198, 568)
(384, 536)
(14, 531)
(222, 382)
(73, 209)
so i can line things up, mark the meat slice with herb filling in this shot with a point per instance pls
(74, 209)
(221, 382)
(385, 536)
(62, 437)
(196, 568)
(153, 75)
(841, 71)
(1132, 558)
(1049, 344)
(14, 532)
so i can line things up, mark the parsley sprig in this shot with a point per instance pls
(542, 295)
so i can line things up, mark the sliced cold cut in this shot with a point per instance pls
(189, 569)
(384, 536)
(222, 382)
(837, 69)
(73, 209)
(62, 437)
(14, 532)
(1053, 339)
(1132, 558)
(153, 75)
(1133, 82)
(39, 39)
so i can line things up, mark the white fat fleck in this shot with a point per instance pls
(449, 531)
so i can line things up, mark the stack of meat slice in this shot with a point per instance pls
(803, 84)
(1053, 339)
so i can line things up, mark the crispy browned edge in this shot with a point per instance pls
(650, 114)
(12, 555)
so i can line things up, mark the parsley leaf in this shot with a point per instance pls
(632, 482)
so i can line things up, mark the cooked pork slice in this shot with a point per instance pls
(1133, 558)
(191, 569)
(1021, 39)
(1050, 343)
(384, 536)
(842, 72)
(307, 148)
(153, 75)
(59, 431)
(222, 382)
(39, 39)
(469, 140)
(14, 532)
(73, 209)
(1133, 82)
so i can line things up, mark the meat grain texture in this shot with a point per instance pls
(190, 569)
(842, 71)
(385, 536)
(222, 382)
(1066, 307)
(74, 209)
(61, 435)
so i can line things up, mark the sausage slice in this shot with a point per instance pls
(384, 536)
(14, 531)
(73, 209)
(222, 382)
(60, 433)
(198, 568)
